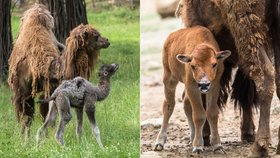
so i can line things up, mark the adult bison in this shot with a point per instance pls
(250, 29)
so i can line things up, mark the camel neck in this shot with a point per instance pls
(104, 89)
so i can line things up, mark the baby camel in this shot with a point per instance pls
(192, 56)
(80, 94)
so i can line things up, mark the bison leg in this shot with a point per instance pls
(244, 94)
(212, 111)
(247, 125)
(188, 112)
(206, 128)
(168, 107)
(278, 147)
(198, 116)
(265, 92)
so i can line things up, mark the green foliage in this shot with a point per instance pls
(117, 116)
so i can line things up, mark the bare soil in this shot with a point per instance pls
(153, 33)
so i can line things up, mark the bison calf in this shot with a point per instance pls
(192, 56)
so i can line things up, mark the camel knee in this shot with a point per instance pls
(67, 117)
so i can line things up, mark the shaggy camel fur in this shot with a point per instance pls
(37, 65)
(81, 94)
(34, 53)
(245, 28)
(82, 51)
(201, 71)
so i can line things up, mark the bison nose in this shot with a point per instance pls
(204, 87)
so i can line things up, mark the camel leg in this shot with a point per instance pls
(50, 118)
(168, 107)
(265, 92)
(43, 108)
(79, 128)
(63, 107)
(90, 110)
(199, 118)
(28, 114)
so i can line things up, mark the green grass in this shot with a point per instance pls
(117, 116)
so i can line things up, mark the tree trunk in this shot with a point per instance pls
(76, 13)
(67, 15)
(5, 38)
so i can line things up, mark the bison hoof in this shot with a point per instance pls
(158, 147)
(258, 151)
(197, 150)
(219, 149)
(248, 138)
(278, 150)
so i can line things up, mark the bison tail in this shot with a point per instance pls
(244, 91)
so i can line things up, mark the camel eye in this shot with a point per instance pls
(193, 67)
(214, 65)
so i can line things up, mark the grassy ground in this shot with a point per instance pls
(117, 116)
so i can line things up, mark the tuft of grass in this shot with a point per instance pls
(117, 116)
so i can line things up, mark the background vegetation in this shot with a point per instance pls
(117, 116)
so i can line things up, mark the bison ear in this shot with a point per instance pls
(223, 54)
(183, 58)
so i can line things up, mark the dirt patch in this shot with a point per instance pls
(153, 33)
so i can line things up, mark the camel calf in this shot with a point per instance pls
(192, 56)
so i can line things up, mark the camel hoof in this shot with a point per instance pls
(257, 151)
(198, 150)
(158, 147)
(219, 149)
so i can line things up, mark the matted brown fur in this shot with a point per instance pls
(34, 50)
(81, 54)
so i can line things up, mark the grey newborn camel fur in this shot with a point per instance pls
(82, 95)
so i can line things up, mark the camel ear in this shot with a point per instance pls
(85, 34)
(79, 83)
(223, 54)
(42, 19)
(183, 58)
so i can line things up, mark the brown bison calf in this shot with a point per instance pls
(192, 56)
